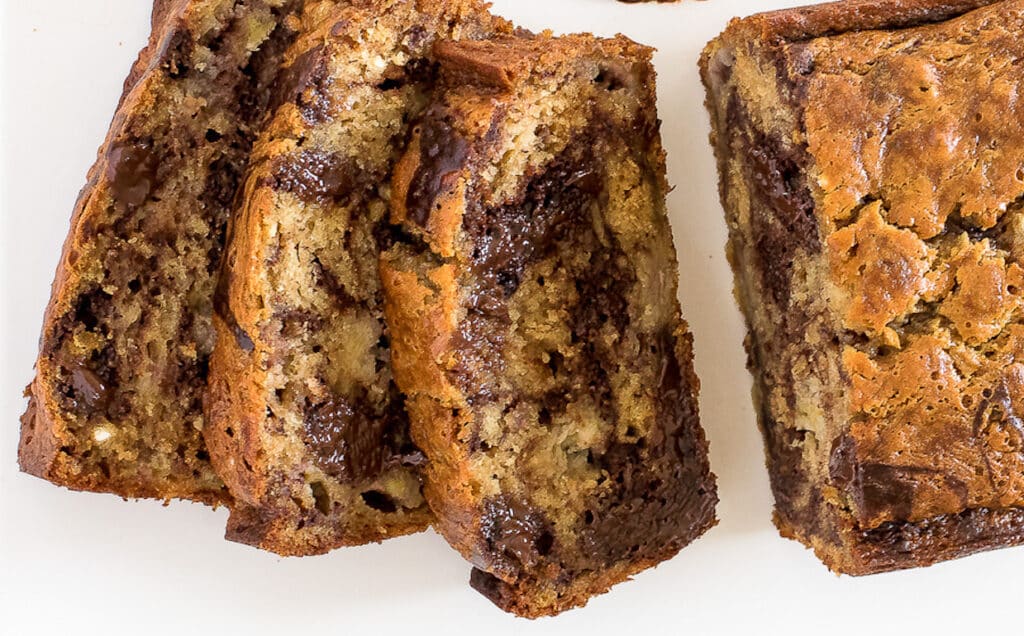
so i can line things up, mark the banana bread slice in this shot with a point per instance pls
(871, 171)
(115, 405)
(306, 425)
(534, 321)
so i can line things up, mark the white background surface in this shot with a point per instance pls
(93, 564)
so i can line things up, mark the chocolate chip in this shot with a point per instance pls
(347, 440)
(518, 534)
(131, 170)
(315, 176)
(90, 389)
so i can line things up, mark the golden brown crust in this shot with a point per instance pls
(826, 19)
(882, 127)
(162, 10)
(422, 314)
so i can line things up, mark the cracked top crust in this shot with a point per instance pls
(909, 115)
(919, 172)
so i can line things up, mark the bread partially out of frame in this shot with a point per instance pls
(115, 405)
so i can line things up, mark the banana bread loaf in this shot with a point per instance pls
(534, 321)
(871, 160)
(115, 405)
(306, 425)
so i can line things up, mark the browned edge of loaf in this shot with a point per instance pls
(832, 18)
(894, 545)
(42, 433)
(901, 546)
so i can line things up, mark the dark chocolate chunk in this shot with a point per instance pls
(842, 462)
(90, 389)
(315, 176)
(516, 531)
(131, 170)
(891, 490)
(508, 238)
(885, 491)
(443, 152)
(487, 584)
(347, 439)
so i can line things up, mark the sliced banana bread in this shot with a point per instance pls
(534, 321)
(115, 405)
(306, 425)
